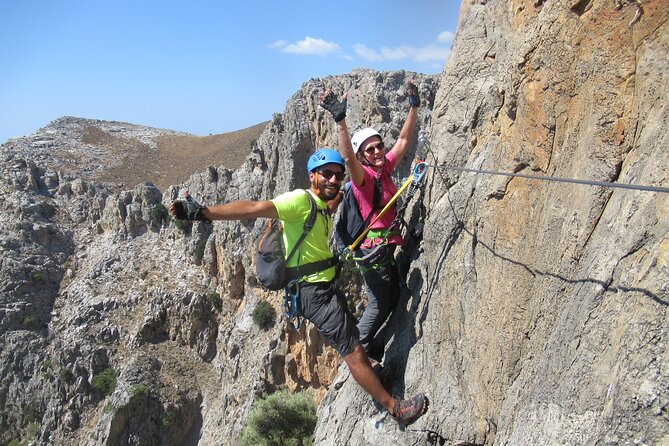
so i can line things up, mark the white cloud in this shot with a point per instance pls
(445, 37)
(424, 54)
(402, 52)
(277, 44)
(311, 46)
(314, 46)
(367, 53)
(432, 52)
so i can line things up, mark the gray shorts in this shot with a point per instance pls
(326, 308)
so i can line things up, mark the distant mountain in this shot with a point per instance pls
(127, 154)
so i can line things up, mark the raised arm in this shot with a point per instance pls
(404, 140)
(337, 108)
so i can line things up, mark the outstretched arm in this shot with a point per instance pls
(235, 210)
(241, 210)
(329, 101)
(404, 140)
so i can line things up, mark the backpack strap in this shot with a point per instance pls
(308, 225)
(295, 272)
(376, 201)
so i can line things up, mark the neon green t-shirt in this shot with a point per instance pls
(293, 209)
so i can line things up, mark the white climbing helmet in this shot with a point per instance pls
(361, 136)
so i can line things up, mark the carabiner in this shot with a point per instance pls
(292, 291)
(418, 171)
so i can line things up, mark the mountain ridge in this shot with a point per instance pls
(125, 154)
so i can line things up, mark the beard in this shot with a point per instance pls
(328, 191)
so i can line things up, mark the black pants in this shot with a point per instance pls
(325, 307)
(382, 284)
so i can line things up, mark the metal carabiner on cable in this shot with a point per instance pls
(292, 291)
(418, 171)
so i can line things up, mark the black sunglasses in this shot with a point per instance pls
(327, 173)
(369, 150)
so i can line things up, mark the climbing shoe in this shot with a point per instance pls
(408, 411)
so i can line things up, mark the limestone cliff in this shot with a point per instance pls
(534, 312)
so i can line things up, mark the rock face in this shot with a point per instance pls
(98, 285)
(537, 311)
(534, 312)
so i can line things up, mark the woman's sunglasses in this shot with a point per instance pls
(369, 150)
(327, 173)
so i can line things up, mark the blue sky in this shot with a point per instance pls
(201, 66)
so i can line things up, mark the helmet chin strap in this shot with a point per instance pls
(314, 185)
(363, 160)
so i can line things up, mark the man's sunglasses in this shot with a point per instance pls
(327, 173)
(369, 150)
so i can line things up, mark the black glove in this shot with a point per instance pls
(412, 95)
(188, 209)
(334, 106)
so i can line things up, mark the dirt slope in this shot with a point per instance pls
(176, 158)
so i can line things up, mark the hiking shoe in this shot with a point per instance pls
(408, 411)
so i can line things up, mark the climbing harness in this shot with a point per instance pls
(377, 254)
(415, 179)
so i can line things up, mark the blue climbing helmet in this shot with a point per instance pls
(322, 157)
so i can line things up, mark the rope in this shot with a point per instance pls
(557, 179)
(400, 212)
(383, 211)
(423, 147)
(418, 171)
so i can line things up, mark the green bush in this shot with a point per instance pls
(213, 174)
(65, 375)
(159, 213)
(281, 419)
(183, 225)
(263, 314)
(199, 249)
(33, 430)
(215, 300)
(167, 419)
(394, 133)
(139, 389)
(105, 381)
(46, 364)
(30, 414)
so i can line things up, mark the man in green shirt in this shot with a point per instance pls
(319, 302)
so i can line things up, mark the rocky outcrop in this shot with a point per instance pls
(161, 309)
(537, 311)
(534, 312)
(86, 147)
